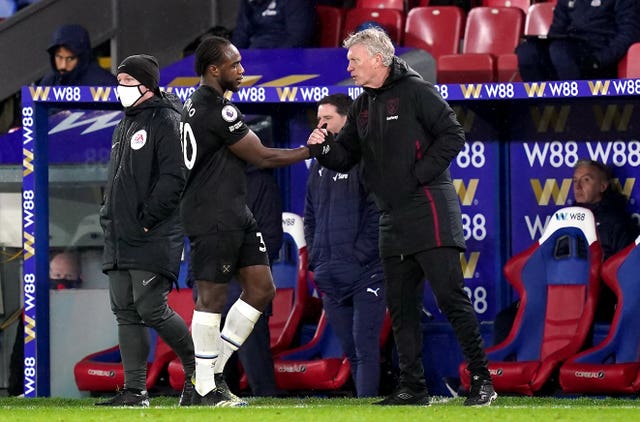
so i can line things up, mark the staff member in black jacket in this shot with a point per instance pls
(141, 222)
(405, 135)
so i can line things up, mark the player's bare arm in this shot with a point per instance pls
(251, 150)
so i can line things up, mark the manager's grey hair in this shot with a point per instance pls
(375, 40)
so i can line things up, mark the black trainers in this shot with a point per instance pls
(481, 393)
(225, 392)
(127, 398)
(188, 391)
(405, 397)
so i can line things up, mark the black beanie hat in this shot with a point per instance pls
(144, 68)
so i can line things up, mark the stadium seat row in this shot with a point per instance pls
(468, 49)
(558, 280)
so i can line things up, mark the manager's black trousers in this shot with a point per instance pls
(404, 277)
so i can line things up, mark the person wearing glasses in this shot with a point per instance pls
(72, 60)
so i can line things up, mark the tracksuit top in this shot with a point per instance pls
(340, 229)
(406, 136)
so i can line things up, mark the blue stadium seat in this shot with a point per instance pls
(613, 366)
(558, 281)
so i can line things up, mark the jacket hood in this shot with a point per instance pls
(73, 37)
(399, 70)
(162, 100)
(76, 39)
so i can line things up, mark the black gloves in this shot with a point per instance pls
(316, 150)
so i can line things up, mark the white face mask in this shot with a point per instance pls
(129, 94)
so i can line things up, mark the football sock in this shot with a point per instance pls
(205, 329)
(237, 327)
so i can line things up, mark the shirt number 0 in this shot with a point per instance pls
(189, 145)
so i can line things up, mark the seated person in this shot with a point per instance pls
(592, 189)
(72, 60)
(275, 24)
(586, 40)
(64, 271)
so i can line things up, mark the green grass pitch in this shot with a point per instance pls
(505, 409)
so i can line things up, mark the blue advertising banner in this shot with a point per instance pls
(544, 171)
(548, 141)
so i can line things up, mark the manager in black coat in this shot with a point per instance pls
(405, 135)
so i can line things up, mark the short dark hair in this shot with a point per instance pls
(341, 102)
(210, 51)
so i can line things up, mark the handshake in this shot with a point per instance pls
(317, 147)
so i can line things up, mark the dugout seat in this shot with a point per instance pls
(102, 371)
(629, 65)
(489, 33)
(382, 4)
(537, 23)
(558, 281)
(330, 22)
(292, 293)
(391, 20)
(521, 4)
(320, 364)
(436, 29)
(613, 366)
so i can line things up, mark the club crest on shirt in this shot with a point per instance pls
(139, 139)
(229, 113)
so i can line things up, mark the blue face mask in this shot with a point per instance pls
(62, 283)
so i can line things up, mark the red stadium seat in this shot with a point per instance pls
(629, 65)
(489, 32)
(437, 30)
(558, 281)
(539, 18)
(320, 364)
(522, 4)
(537, 22)
(330, 22)
(391, 19)
(381, 4)
(613, 366)
(102, 371)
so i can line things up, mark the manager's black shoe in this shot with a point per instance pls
(127, 398)
(481, 393)
(405, 397)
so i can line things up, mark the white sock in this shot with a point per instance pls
(205, 330)
(237, 327)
